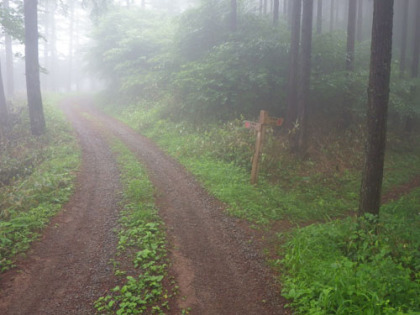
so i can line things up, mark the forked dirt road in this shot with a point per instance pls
(215, 262)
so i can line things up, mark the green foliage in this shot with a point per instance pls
(142, 238)
(220, 155)
(360, 266)
(129, 50)
(201, 29)
(11, 20)
(35, 195)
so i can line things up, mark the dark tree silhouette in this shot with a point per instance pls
(416, 46)
(233, 15)
(332, 10)
(4, 115)
(319, 17)
(378, 96)
(36, 112)
(9, 60)
(276, 9)
(291, 117)
(304, 77)
(351, 35)
(359, 27)
(403, 43)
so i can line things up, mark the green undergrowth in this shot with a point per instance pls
(365, 266)
(339, 267)
(32, 196)
(220, 156)
(141, 238)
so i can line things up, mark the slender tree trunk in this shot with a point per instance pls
(233, 15)
(404, 29)
(378, 96)
(332, 16)
(276, 12)
(359, 27)
(351, 34)
(71, 41)
(409, 123)
(36, 112)
(416, 47)
(10, 78)
(46, 21)
(293, 65)
(53, 48)
(4, 113)
(319, 18)
(304, 76)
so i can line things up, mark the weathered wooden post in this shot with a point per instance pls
(260, 127)
(258, 147)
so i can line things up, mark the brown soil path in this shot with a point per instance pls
(69, 267)
(216, 264)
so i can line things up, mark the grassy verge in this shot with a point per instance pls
(221, 157)
(357, 267)
(37, 190)
(141, 238)
(338, 267)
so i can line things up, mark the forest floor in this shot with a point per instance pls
(217, 260)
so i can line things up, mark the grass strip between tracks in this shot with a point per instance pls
(141, 238)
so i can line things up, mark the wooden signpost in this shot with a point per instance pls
(260, 127)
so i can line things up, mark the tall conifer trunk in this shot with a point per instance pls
(10, 78)
(304, 77)
(4, 114)
(378, 97)
(33, 86)
(403, 43)
(351, 35)
(291, 117)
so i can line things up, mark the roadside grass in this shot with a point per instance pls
(34, 191)
(354, 266)
(299, 191)
(344, 266)
(142, 238)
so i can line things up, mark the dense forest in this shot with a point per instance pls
(337, 204)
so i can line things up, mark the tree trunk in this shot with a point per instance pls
(378, 96)
(416, 48)
(53, 47)
(293, 65)
(351, 34)
(319, 18)
(36, 112)
(332, 16)
(404, 29)
(46, 22)
(233, 15)
(304, 77)
(359, 28)
(276, 12)
(10, 78)
(409, 123)
(71, 41)
(4, 114)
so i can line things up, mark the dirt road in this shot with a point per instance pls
(216, 264)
